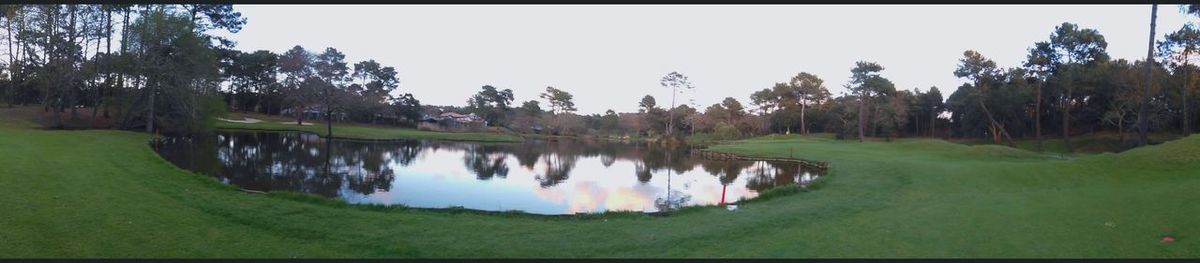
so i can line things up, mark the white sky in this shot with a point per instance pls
(609, 56)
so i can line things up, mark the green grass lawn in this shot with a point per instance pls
(362, 131)
(104, 193)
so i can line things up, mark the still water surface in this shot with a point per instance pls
(560, 176)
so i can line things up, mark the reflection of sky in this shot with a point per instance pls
(438, 179)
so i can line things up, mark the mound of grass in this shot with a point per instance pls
(1092, 143)
(1182, 152)
(997, 151)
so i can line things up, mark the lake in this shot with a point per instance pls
(540, 176)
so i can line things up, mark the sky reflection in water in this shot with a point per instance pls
(563, 176)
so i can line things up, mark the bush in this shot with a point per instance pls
(211, 107)
(425, 126)
(725, 131)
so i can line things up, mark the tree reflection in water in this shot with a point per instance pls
(558, 168)
(307, 163)
(768, 174)
(485, 161)
(674, 200)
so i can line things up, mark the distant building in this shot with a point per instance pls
(455, 120)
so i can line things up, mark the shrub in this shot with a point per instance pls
(725, 131)
(425, 126)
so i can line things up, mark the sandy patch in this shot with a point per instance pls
(245, 120)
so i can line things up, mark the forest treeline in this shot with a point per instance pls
(161, 66)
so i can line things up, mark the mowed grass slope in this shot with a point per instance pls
(106, 194)
(934, 198)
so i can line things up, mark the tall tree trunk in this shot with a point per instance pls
(153, 82)
(803, 124)
(233, 99)
(258, 105)
(862, 121)
(916, 124)
(50, 53)
(1143, 108)
(1066, 112)
(997, 125)
(96, 87)
(124, 43)
(671, 115)
(107, 76)
(151, 87)
(266, 108)
(1121, 129)
(12, 58)
(57, 108)
(874, 111)
(933, 124)
(329, 112)
(1037, 116)
(99, 88)
(69, 88)
(993, 133)
(1187, 86)
(22, 55)
(108, 68)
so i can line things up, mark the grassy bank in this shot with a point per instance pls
(1099, 142)
(106, 194)
(362, 131)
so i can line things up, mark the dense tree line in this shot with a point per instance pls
(1066, 86)
(166, 70)
(325, 84)
(150, 66)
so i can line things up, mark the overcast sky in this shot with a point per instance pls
(609, 56)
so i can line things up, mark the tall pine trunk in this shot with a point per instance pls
(108, 58)
(916, 131)
(1187, 85)
(150, 118)
(124, 44)
(328, 112)
(874, 111)
(70, 94)
(671, 115)
(933, 124)
(1037, 116)
(49, 57)
(803, 124)
(12, 58)
(1066, 112)
(862, 121)
(1142, 109)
